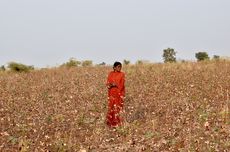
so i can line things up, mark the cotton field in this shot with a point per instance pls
(168, 107)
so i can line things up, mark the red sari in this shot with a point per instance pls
(115, 97)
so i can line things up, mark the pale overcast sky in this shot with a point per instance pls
(49, 32)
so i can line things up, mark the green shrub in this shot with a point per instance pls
(139, 62)
(126, 62)
(142, 62)
(216, 57)
(201, 56)
(72, 63)
(18, 67)
(87, 63)
(2, 68)
(102, 64)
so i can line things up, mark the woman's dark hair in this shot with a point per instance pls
(116, 64)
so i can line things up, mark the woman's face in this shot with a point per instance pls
(117, 68)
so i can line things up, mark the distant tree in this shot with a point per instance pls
(72, 63)
(18, 67)
(169, 55)
(201, 56)
(102, 64)
(181, 60)
(227, 58)
(87, 63)
(2, 68)
(139, 62)
(142, 62)
(216, 57)
(126, 62)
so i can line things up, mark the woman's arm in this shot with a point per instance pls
(110, 82)
(121, 86)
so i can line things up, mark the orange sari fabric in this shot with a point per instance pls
(115, 97)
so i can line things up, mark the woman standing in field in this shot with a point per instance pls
(116, 93)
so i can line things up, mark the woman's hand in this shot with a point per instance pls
(110, 85)
(122, 97)
(113, 85)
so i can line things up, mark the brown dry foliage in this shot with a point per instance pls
(168, 107)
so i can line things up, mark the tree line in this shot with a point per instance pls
(169, 56)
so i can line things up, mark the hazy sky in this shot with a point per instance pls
(49, 32)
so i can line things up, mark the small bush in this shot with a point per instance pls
(18, 67)
(216, 57)
(102, 64)
(2, 68)
(87, 63)
(139, 62)
(142, 62)
(72, 63)
(126, 62)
